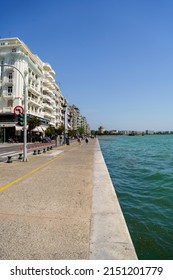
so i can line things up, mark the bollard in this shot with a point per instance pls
(35, 152)
(9, 160)
(20, 156)
(44, 150)
(39, 152)
(48, 148)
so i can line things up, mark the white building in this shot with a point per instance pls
(76, 120)
(101, 130)
(44, 100)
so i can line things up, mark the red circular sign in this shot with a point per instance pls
(18, 110)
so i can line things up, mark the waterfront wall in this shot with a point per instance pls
(109, 236)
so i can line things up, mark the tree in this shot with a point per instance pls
(94, 132)
(33, 122)
(81, 130)
(59, 130)
(50, 131)
(71, 133)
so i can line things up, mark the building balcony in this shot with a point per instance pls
(34, 101)
(48, 106)
(7, 81)
(47, 97)
(33, 113)
(48, 75)
(48, 68)
(47, 115)
(47, 83)
(46, 88)
(31, 77)
(7, 110)
(34, 90)
(7, 95)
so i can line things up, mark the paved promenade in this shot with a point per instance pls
(61, 205)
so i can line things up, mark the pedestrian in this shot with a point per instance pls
(67, 140)
(60, 140)
(86, 140)
(79, 140)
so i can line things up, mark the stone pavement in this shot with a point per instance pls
(51, 207)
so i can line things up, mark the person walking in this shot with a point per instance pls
(79, 140)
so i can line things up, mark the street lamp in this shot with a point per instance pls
(64, 111)
(25, 111)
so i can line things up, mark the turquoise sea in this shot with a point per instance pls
(141, 169)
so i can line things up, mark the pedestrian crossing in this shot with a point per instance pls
(6, 154)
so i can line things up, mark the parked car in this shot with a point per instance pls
(46, 139)
(12, 140)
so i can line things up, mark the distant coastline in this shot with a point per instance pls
(131, 132)
(103, 131)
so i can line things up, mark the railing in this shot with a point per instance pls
(34, 101)
(48, 106)
(6, 109)
(33, 89)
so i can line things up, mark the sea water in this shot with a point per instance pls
(141, 169)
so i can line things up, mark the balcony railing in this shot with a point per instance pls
(34, 90)
(34, 101)
(46, 105)
(7, 95)
(7, 110)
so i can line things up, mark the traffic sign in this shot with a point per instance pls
(18, 110)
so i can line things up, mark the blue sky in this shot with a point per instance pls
(113, 58)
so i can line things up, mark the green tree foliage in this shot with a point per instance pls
(94, 132)
(33, 122)
(71, 133)
(50, 131)
(81, 130)
(59, 130)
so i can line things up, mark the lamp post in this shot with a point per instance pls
(25, 111)
(64, 110)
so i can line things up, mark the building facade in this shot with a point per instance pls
(76, 120)
(20, 67)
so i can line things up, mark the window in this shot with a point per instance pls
(12, 61)
(13, 50)
(10, 76)
(10, 89)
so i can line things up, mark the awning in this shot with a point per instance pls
(7, 124)
(18, 128)
(40, 128)
(43, 127)
(35, 129)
